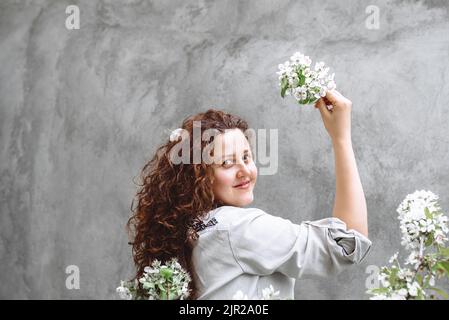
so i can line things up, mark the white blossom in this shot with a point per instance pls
(123, 291)
(239, 295)
(379, 297)
(432, 281)
(402, 292)
(420, 219)
(269, 293)
(393, 258)
(413, 259)
(413, 288)
(296, 73)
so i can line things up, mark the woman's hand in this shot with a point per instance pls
(337, 121)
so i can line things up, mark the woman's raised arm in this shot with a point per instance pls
(350, 203)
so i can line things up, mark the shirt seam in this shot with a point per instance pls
(233, 253)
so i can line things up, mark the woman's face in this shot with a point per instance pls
(235, 172)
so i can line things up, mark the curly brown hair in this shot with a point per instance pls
(172, 197)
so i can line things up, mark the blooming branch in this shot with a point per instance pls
(299, 79)
(159, 282)
(424, 231)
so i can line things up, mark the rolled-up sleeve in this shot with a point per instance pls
(263, 244)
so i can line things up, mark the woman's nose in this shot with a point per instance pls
(243, 170)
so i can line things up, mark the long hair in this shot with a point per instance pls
(171, 197)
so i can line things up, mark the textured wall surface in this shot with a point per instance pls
(81, 111)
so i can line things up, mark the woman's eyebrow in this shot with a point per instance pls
(233, 155)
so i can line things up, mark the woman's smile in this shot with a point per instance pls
(244, 185)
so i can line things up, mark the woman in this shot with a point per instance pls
(195, 211)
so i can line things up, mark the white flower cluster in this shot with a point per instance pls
(398, 284)
(424, 227)
(124, 291)
(159, 282)
(421, 220)
(267, 294)
(306, 84)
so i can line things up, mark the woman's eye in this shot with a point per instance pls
(227, 163)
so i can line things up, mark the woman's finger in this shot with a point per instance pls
(321, 105)
(332, 96)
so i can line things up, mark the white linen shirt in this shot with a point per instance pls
(249, 250)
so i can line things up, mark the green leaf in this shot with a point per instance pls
(419, 279)
(441, 292)
(302, 79)
(427, 212)
(307, 100)
(378, 291)
(442, 266)
(284, 86)
(443, 251)
(429, 240)
(445, 265)
(166, 273)
(393, 277)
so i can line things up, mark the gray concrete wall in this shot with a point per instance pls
(81, 111)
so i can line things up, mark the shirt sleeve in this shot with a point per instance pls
(263, 244)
